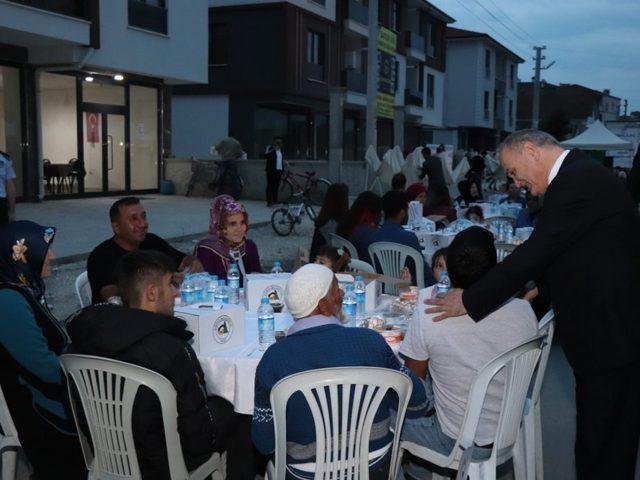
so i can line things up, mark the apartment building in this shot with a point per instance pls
(481, 92)
(82, 90)
(275, 68)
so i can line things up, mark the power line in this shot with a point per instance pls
(511, 20)
(483, 21)
(517, 35)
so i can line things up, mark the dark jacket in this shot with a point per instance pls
(584, 253)
(159, 343)
(272, 160)
(432, 168)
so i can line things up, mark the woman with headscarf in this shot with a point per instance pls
(228, 242)
(31, 340)
(418, 192)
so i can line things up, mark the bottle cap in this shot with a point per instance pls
(358, 278)
(264, 300)
(222, 283)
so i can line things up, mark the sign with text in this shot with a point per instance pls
(387, 71)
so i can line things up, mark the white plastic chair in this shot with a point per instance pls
(107, 389)
(530, 437)
(392, 258)
(83, 290)
(518, 365)
(360, 266)
(9, 443)
(342, 439)
(503, 250)
(497, 220)
(340, 242)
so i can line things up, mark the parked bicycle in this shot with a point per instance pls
(219, 178)
(314, 188)
(285, 218)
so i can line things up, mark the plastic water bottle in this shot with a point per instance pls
(210, 294)
(443, 286)
(360, 292)
(508, 237)
(266, 325)
(221, 295)
(187, 292)
(199, 286)
(277, 268)
(349, 306)
(233, 280)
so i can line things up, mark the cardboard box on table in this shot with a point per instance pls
(215, 327)
(271, 285)
(372, 290)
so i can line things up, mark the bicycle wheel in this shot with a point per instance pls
(317, 191)
(285, 192)
(282, 222)
(310, 211)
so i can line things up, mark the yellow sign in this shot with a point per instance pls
(387, 41)
(385, 105)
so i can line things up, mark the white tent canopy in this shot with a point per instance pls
(597, 137)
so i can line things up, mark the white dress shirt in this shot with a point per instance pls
(556, 166)
(278, 159)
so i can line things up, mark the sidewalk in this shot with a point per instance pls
(82, 223)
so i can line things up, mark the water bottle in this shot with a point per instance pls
(233, 279)
(212, 284)
(221, 295)
(199, 287)
(349, 306)
(443, 286)
(187, 292)
(508, 238)
(266, 325)
(276, 267)
(360, 291)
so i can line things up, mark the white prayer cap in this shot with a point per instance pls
(306, 287)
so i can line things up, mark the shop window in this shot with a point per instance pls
(10, 120)
(143, 135)
(218, 44)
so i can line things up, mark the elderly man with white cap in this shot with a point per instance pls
(318, 340)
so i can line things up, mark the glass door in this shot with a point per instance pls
(115, 158)
(104, 152)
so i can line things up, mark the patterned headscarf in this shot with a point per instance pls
(23, 249)
(222, 207)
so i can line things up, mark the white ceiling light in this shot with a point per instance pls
(88, 78)
(118, 77)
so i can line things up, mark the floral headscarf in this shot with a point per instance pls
(222, 207)
(23, 249)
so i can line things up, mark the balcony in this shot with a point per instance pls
(356, 18)
(315, 71)
(147, 17)
(354, 80)
(414, 46)
(412, 97)
(70, 8)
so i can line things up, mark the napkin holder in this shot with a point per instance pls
(215, 327)
(270, 285)
(372, 289)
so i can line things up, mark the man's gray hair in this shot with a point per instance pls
(537, 137)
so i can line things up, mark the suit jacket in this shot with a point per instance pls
(432, 167)
(272, 160)
(585, 252)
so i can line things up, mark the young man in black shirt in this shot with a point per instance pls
(130, 229)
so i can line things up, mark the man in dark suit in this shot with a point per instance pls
(432, 168)
(585, 254)
(274, 168)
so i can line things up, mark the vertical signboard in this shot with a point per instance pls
(387, 71)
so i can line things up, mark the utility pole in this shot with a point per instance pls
(371, 118)
(535, 111)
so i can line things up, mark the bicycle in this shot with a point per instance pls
(313, 188)
(284, 219)
(217, 176)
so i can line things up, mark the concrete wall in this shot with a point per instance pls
(197, 123)
(328, 10)
(462, 83)
(178, 170)
(180, 56)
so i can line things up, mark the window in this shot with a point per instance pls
(314, 48)
(431, 87)
(512, 75)
(487, 62)
(10, 119)
(315, 55)
(395, 16)
(72, 8)
(486, 105)
(218, 44)
(510, 112)
(148, 14)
